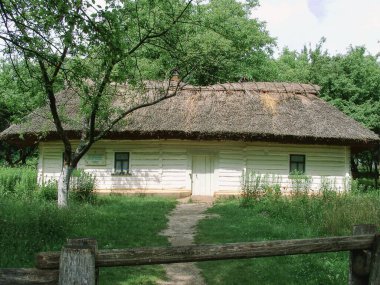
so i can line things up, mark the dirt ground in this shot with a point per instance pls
(180, 232)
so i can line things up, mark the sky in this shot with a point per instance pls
(296, 23)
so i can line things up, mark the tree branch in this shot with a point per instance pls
(22, 27)
(162, 33)
(140, 106)
(95, 106)
(53, 108)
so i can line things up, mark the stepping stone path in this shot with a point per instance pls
(181, 230)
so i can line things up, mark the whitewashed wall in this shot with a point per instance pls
(163, 165)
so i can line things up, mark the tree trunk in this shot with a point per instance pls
(77, 262)
(354, 166)
(376, 176)
(376, 160)
(64, 185)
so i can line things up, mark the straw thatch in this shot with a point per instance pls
(249, 111)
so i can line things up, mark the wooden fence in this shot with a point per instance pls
(80, 260)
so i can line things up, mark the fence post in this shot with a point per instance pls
(374, 275)
(77, 262)
(360, 260)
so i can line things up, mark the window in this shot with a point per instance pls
(297, 163)
(122, 162)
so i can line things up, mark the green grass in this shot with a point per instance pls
(29, 223)
(284, 218)
(32, 225)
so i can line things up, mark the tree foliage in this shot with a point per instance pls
(219, 40)
(19, 95)
(350, 81)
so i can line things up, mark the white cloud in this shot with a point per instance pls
(343, 22)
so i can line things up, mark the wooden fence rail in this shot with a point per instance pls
(78, 260)
(193, 253)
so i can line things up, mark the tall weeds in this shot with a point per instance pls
(300, 183)
(256, 185)
(19, 181)
(22, 182)
(327, 214)
(342, 211)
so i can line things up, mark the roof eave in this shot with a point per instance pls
(29, 139)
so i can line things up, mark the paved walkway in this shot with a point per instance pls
(181, 229)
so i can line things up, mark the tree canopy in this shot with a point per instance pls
(350, 81)
(19, 95)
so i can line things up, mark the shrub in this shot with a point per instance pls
(82, 186)
(49, 191)
(363, 185)
(22, 182)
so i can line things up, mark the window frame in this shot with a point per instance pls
(303, 163)
(123, 171)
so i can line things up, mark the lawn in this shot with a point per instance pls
(32, 225)
(285, 218)
(30, 222)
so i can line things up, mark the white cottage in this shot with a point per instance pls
(203, 141)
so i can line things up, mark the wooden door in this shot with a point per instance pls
(202, 175)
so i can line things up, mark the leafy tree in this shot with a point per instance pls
(291, 66)
(19, 95)
(350, 81)
(228, 43)
(88, 46)
(221, 40)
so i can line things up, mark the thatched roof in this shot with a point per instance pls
(249, 111)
